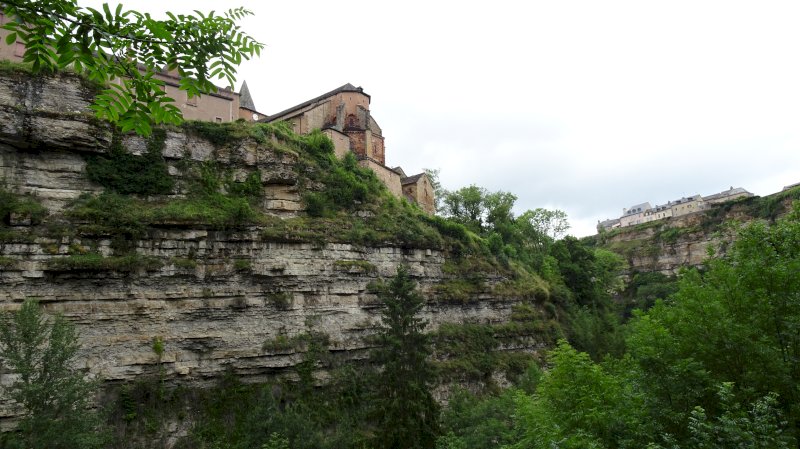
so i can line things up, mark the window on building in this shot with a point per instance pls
(191, 101)
(19, 49)
(218, 119)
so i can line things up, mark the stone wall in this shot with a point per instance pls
(388, 177)
(341, 143)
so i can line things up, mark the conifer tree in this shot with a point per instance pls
(407, 413)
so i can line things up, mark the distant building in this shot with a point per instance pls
(608, 224)
(634, 215)
(686, 205)
(345, 112)
(644, 213)
(662, 211)
(418, 189)
(727, 195)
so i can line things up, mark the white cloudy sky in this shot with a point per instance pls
(585, 106)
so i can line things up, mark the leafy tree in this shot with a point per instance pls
(580, 404)
(123, 50)
(479, 422)
(53, 394)
(407, 413)
(757, 428)
(738, 322)
(645, 288)
(551, 223)
(466, 206)
(576, 263)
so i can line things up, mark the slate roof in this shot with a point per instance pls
(411, 179)
(345, 88)
(608, 223)
(245, 99)
(635, 209)
(686, 200)
(730, 192)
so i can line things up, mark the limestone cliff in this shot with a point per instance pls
(215, 295)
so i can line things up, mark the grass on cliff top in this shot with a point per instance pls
(394, 223)
(113, 214)
(26, 69)
(230, 133)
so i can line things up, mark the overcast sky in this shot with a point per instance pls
(583, 106)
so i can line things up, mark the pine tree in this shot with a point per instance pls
(407, 413)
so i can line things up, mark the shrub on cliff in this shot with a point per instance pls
(127, 173)
(11, 203)
(54, 396)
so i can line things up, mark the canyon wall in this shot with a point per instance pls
(216, 298)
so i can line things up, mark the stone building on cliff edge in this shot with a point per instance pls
(343, 115)
(224, 105)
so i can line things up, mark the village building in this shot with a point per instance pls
(644, 213)
(343, 115)
(661, 211)
(727, 195)
(224, 105)
(634, 215)
(686, 205)
(790, 186)
(612, 223)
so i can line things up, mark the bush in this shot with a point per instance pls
(125, 173)
(11, 203)
(53, 394)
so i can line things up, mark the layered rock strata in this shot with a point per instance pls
(216, 299)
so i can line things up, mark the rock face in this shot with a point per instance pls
(646, 251)
(668, 245)
(218, 296)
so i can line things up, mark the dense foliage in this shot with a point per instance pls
(713, 366)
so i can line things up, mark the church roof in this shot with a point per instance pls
(411, 179)
(345, 88)
(245, 99)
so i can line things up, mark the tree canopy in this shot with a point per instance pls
(123, 50)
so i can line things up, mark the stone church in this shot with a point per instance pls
(343, 115)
